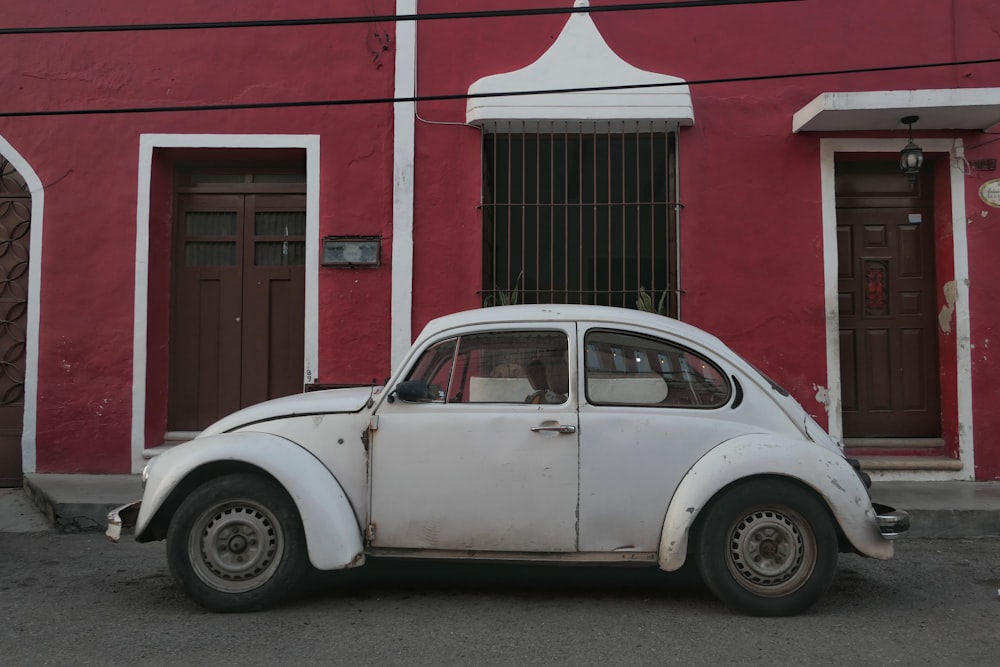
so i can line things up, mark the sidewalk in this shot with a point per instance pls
(81, 502)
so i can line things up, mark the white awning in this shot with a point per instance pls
(580, 58)
(942, 109)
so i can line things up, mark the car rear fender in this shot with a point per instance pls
(825, 472)
(333, 536)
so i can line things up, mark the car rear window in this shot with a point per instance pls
(628, 369)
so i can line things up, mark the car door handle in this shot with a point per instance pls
(556, 428)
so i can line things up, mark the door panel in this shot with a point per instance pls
(888, 323)
(274, 298)
(464, 470)
(471, 476)
(205, 345)
(238, 304)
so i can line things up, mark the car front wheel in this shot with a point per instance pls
(236, 544)
(767, 548)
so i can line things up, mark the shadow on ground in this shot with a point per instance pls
(379, 577)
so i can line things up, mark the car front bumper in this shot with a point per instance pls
(892, 523)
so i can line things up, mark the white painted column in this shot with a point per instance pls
(404, 121)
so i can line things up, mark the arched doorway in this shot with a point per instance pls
(15, 227)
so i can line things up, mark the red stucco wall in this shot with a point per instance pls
(752, 256)
(88, 165)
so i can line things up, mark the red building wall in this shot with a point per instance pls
(752, 254)
(88, 165)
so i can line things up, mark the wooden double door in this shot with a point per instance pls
(888, 307)
(237, 305)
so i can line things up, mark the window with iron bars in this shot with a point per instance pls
(580, 217)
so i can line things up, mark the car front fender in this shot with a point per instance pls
(824, 471)
(333, 537)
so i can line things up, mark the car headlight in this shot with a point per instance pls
(145, 475)
(866, 479)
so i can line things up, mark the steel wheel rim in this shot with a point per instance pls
(236, 546)
(771, 552)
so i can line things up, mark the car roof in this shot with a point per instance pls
(569, 313)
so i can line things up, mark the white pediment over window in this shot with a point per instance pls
(580, 58)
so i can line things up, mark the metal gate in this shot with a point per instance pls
(15, 227)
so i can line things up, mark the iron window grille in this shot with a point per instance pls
(580, 216)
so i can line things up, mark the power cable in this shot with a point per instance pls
(341, 20)
(466, 96)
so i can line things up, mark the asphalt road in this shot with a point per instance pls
(79, 599)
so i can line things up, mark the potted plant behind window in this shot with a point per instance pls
(645, 302)
(501, 298)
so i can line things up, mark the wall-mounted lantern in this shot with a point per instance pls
(912, 156)
(352, 251)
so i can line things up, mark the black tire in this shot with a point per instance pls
(236, 544)
(767, 548)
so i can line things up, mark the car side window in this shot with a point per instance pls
(435, 367)
(498, 367)
(627, 369)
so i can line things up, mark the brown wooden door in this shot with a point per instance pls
(15, 226)
(888, 324)
(238, 304)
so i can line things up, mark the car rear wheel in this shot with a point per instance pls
(767, 548)
(236, 544)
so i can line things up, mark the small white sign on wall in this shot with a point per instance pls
(989, 192)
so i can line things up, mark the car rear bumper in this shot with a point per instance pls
(122, 518)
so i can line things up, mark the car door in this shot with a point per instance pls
(650, 407)
(486, 460)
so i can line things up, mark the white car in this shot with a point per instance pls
(547, 434)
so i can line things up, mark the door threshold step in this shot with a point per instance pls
(171, 439)
(873, 463)
(153, 452)
(894, 443)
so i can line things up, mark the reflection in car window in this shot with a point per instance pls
(626, 369)
(498, 367)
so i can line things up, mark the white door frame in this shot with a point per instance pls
(29, 452)
(832, 394)
(147, 144)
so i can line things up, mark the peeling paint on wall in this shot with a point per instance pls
(822, 395)
(950, 296)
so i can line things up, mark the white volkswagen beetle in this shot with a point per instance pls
(552, 434)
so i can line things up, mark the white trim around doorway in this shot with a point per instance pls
(147, 144)
(29, 452)
(833, 395)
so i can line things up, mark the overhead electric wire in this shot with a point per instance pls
(467, 96)
(341, 20)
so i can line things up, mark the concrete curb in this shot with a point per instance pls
(80, 502)
(945, 509)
